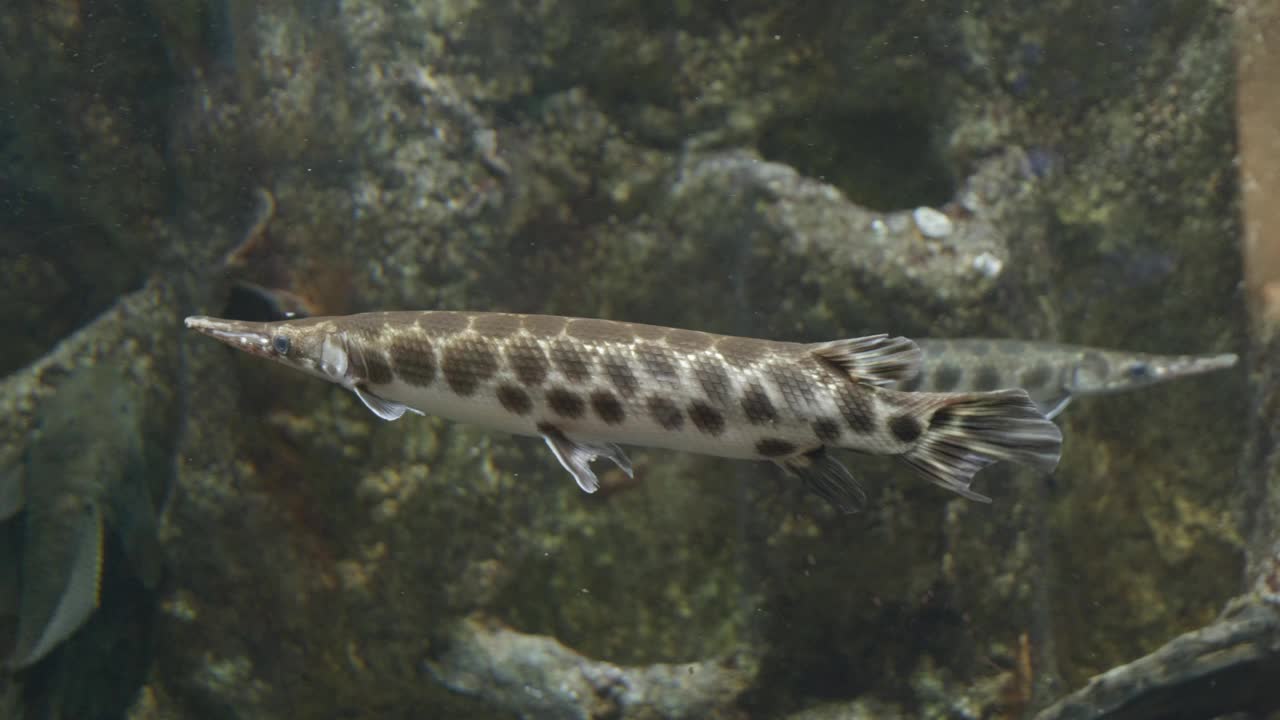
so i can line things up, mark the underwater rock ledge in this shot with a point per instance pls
(1228, 666)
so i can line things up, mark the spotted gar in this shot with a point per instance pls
(1051, 373)
(586, 385)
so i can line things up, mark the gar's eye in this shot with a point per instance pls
(280, 344)
(1138, 371)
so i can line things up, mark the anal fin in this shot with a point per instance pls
(873, 359)
(576, 456)
(383, 408)
(827, 478)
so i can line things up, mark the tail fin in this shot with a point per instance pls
(969, 431)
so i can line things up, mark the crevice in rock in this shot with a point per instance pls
(881, 159)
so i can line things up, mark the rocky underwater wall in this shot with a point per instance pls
(1058, 171)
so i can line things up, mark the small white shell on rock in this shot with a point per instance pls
(932, 223)
(988, 265)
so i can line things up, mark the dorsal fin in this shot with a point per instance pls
(873, 359)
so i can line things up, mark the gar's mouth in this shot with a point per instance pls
(250, 337)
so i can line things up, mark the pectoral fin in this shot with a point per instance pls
(385, 409)
(61, 578)
(576, 456)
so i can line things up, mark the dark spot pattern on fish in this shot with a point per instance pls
(1037, 376)
(706, 418)
(826, 430)
(377, 370)
(657, 361)
(757, 406)
(514, 399)
(715, 382)
(413, 358)
(543, 325)
(665, 413)
(987, 378)
(795, 384)
(946, 378)
(858, 411)
(570, 359)
(496, 325)
(468, 362)
(906, 428)
(773, 447)
(607, 407)
(621, 375)
(527, 360)
(565, 403)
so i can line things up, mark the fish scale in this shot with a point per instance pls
(587, 386)
(697, 382)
